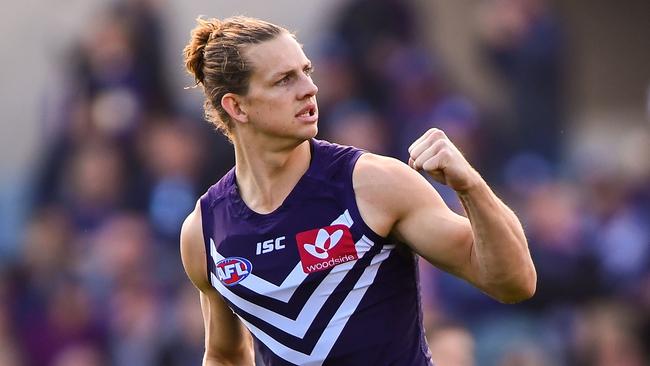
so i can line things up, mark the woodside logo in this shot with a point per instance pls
(324, 248)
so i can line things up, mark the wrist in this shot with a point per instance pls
(474, 184)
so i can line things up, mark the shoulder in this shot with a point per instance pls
(192, 249)
(372, 165)
(386, 190)
(386, 177)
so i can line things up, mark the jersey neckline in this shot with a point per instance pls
(245, 211)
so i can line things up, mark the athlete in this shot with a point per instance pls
(308, 250)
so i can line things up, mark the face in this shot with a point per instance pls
(281, 99)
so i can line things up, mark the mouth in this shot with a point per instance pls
(308, 113)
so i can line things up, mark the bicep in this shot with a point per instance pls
(396, 200)
(436, 233)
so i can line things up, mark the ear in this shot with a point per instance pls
(232, 104)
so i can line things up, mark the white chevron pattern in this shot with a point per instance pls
(334, 327)
(313, 305)
(301, 324)
(293, 280)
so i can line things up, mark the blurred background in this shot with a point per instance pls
(103, 154)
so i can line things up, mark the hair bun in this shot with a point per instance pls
(193, 53)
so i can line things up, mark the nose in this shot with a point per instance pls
(309, 89)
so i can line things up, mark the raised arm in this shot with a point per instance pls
(227, 341)
(488, 250)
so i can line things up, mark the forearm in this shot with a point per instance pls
(500, 252)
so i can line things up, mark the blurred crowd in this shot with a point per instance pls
(97, 280)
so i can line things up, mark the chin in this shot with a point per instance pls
(307, 132)
(313, 132)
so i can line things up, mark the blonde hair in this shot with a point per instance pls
(213, 56)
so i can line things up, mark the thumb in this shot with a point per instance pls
(435, 169)
(438, 176)
(411, 163)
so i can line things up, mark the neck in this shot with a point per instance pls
(266, 175)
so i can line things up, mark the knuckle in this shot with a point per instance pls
(438, 133)
(445, 152)
(442, 144)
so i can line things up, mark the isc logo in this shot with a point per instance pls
(270, 245)
(233, 270)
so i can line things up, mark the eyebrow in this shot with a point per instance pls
(288, 72)
(280, 74)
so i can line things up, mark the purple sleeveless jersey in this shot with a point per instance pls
(311, 281)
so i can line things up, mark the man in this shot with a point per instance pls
(308, 245)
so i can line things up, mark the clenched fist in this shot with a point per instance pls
(434, 153)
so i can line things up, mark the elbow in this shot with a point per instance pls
(517, 290)
(518, 295)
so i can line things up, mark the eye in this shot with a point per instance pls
(309, 70)
(285, 80)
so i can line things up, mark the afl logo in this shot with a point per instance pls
(233, 270)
